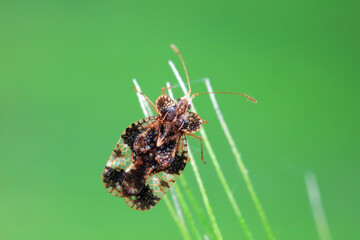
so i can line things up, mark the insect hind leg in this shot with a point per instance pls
(165, 88)
(198, 137)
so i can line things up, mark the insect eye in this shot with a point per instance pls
(179, 99)
(189, 106)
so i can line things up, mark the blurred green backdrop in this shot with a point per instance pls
(66, 96)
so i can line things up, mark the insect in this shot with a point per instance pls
(152, 152)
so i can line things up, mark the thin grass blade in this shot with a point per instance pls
(240, 163)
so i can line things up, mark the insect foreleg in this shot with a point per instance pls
(198, 137)
(165, 88)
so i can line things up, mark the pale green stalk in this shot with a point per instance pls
(180, 215)
(225, 185)
(240, 163)
(178, 218)
(316, 206)
(217, 165)
(187, 212)
(178, 191)
(171, 208)
(216, 228)
(195, 205)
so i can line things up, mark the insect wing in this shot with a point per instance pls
(121, 159)
(160, 180)
(164, 103)
(193, 123)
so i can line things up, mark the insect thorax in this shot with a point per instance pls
(174, 117)
(177, 115)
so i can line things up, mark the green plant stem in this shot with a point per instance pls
(186, 186)
(316, 206)
(179, 213)
(214, 224)
(216, 228)
(180, 225)
(187, 212)
(216, 164)
(225, 184)
(196, 206)
(240, 163)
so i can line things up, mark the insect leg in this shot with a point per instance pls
(163, 89)
(198, 137)
(147, 99)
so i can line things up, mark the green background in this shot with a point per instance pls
(66, 96)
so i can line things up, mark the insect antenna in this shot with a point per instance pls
(176, 50)
(248, 97)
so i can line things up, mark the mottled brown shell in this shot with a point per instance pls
(140, 171)
(151, 154)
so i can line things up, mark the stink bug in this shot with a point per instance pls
(152, 153)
